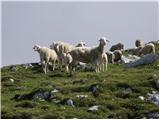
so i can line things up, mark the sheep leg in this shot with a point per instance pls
(44, 66)
(53, 66)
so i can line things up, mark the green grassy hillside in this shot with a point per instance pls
(111, 97)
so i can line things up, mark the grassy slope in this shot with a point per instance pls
(114, 103)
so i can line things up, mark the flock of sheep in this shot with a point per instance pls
(70, 55)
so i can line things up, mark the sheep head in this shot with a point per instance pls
(36, 47)
(103, 41)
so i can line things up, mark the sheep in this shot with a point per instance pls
(139, 43)
(118, 55)
(89, 55)
(46, 55)
(60, 48)
(67, 59)
(118, 46)
(110, 56)
(103, 62)
(147, 49)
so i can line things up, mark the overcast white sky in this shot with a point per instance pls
(27, 23)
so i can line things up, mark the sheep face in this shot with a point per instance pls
(36, 47)
(103, 41)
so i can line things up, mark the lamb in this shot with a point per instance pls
(118, 46)
(110, 56)
(118, 55)
(147, 49)
(67, 59)
(103, 62)
(46, 55)
(89, 55)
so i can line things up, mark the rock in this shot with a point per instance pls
(37, 94)
(11, 80)
(154, 77)
(70, 102)
(93, 108)
(154, 98)
(129, 58)
(127, 90)
(95, 91)
(145, 60)
(153, 115)
(54, 91)
(55, 101)
(14, 68)
(28, 65)
(141, 97)
(157, 83)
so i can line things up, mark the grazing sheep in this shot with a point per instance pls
(110, 56)
(118, 55)
(46, 55)
(118, 46)
(89, 55)
(139, 43)
(147, 49)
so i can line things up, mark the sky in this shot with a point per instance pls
(25, 24)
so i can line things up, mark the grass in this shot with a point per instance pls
(114, 103)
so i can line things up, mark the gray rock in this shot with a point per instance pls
(145, 60)
(129, 58)
(141, 97)
(28, 65)
(154, 98)
(93, 108)
(153, 115)
(14, 68)
(127, 90)
(70, 102)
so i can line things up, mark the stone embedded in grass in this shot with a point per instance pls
(70, 102)
(14, 68)
(153, 115)
(28, 65)
(39, 94)
(141, 97)
(126, 90)
(93, 108)
(55, 101)
(54, 91)
(155, 77)
(154, 98)
(145, 60)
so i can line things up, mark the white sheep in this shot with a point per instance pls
(89, 55)
(103, 62)
(60, 48)
(147, 49)
(46, 55)
(66, 59)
